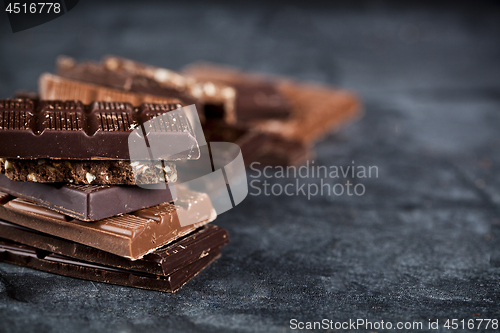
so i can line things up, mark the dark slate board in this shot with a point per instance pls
(422, 243)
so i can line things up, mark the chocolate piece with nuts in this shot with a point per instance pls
(88, 172)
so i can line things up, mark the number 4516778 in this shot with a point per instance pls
(455, 324)
(33, 8)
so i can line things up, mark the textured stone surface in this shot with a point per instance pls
(422, 243)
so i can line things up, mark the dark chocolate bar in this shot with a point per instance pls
(72, 130)
(87, 202)
(130, 235)
(88, 172)
(54, 263)
(162, 261)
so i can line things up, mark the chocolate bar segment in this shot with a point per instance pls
(162, 261)
(26, 94)
(53, 87)
(71, 130)
(129, 235)
(257, 146)
(256, 97)
(260, 100)
(115, 76)
(87, 202)
(30, 257)
(212, 99)
(315, 109)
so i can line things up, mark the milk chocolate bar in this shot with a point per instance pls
(72, 130)
(87, 202)
(30, 257)
(212, 99)
(87, 172)
(53, 87)
(162, 261)
(130, 235)
(315, 109)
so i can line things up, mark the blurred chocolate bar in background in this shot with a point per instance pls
(53, 87)
(87, 202)
(165, 269)
(274, 120)
(314, 109)
(259, 146)
(211, 99)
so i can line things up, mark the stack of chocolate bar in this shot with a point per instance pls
(69, 196)
(274, 120)
(70, 204)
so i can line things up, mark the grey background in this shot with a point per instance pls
(422, 243)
